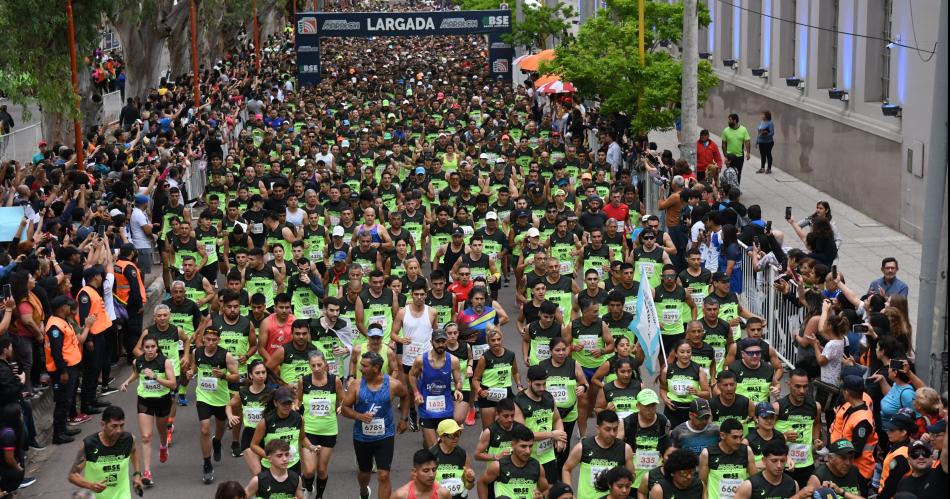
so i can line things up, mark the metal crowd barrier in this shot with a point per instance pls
(650, 186)
(22, 144)
(111, 107)
(783, 317)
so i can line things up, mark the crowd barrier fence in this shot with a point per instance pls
(21, 144)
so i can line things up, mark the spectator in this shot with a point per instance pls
(730, 258)
(708, 159)
(736, 142)
(822, 209)
(889, 284)
(27, 328)
(765, 139)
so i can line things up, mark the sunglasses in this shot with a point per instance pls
(920, 453)
(753, 353)
(649, 238)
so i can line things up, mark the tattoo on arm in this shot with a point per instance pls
(80, 462)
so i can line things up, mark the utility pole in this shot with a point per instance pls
(690, 99)
(77, 128)
(931, 334)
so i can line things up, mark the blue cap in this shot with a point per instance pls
(141, 199)
(339, 256)
(420, 169)
(764, 410)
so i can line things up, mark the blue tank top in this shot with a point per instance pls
(381, 405)
(435, 386)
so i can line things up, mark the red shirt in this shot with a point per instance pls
(460, 292)
(707, 155)
(620, 213)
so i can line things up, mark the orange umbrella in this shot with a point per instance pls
(544, 80)
(531, 62)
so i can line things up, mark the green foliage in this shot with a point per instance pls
(479, 4)
(539, 23)
(603, 63)
(35, 56)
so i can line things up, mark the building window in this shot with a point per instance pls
(754, 47)
(786, 34)
(877, 67)
(725, 30)
(827, 76)
(705, 43)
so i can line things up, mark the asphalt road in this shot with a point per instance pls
(180, 476)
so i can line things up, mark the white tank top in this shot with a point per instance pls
(419, 331)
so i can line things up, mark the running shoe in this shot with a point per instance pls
(27, 481)
(162, 453)
(79, 419)
(470, 419)
(182, 400)
(208, 475)
(168, 439)
(216, 445)
(235, 449)
(147, 479)
(107, 390)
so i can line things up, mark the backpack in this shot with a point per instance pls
(728, 178)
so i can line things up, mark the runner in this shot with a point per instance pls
(282, 422)
(494, 442)
(590, 342)
(454, 472)
(156, 377)
(839, 472)
(319, 396)
(276, 329)
(799, 419)
(723, 467)
(171, 341)
(596, 454)
(214, 367)
(535, 408)
(374, 343)
(516, 475)
(536, 336)
(277, 481)
(246, 409)
(494, 376)
(462, 352)
(762, 432)
(435, 381)
(617, 482)
(330, 334)
(620, 395)
(682, 382)
(567, 384)
(728, 404)
(647, 432)
(422, 484)
(368, 401)
(674, 306)
(103, 461)
(291, 361)
(773, 482)
(755, 379)
(240, 339)
(680, 478)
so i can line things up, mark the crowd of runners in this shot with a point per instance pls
(340, 279)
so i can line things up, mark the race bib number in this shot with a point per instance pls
(595, 471)
(588, 342)
(543, 352)
(671, 316)
(719, 353)
(680, 387)
(435, 403)
(411, 352)
(728, 487)
(308, 311)
(453, 485)
(316, 256)
(647, 269)
(798, 453)
(152, 385)
(319, 407)
(253, 414)
(181, 345)
(496, 394)
(543, 446)
(647, 459)
(257, 228)
(559, 393)
(375, 428)
(210, 249)
(478, 351)
(379, 319)
(208, 384)
(697, 298)
(630, 307)
(566, 267)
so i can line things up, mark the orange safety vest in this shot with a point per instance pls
(122, 286)
(886, 466)
(837, 426)
(864, 460)
(72, 354)
(97, 307)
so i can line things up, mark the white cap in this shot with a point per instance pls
(116, 212)
(338, 231)
(534, 232)
(345, 143)
(491, 215)
(483, 156)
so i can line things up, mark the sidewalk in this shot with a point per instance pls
(866, 241)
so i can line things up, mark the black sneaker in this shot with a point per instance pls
(208, 475)
(216, 445)
(62, 439)
(73, 431)
(34, 445)
(107, 390)
(92, 410)
(27, 481)
(236, 449)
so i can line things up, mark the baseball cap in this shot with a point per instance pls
(764, 410)
(283, 395)
(483, 156)
(920, 444)
(537, 373)
(595, 198)
(700, 407)
(647, 397)
(560, 192)
(559, 489)
(939, 427)
(458, 232)
(345, 143)
(60, 300)
(375, 331)
(534, 232)
(901, 421)
(338, 231)
(505, 137)
(825, 493)
(42, 143)
(95, 270)
(387, 136)
(439, 334)
(853, 383)
(521, 213)
(420, 170)
(339, 256)
(746, 343)
(448, 427)
(491, 215)
(842, 447)
(141, 199)
(116, 212)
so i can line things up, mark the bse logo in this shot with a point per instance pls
(309, 68)
(496, 21)
(307, 26)
(500, 66)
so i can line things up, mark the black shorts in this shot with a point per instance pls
(380, 450)
(246, 435)
(328, 441)
(406, 369)
(431, 423)
(159, 407)
(205, 411)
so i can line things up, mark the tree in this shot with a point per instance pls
(603, 63)
(539, 23)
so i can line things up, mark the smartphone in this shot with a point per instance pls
(897, 365)
(768, 227)
(861, 328)
(7, 291)
(834, 271)
(102, 231)
(755, 240)
(788, 212)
